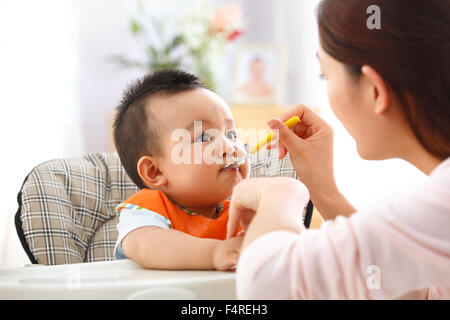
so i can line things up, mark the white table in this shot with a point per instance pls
(122, 279)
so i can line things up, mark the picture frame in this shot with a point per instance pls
(259, 75)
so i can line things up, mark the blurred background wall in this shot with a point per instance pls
(104, 31)
(59, 86)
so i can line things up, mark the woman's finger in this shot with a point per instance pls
(282, 151)
(307, 116)
(232, 260)
(233, 220)
(276, 145)
(287, 138)
(273, 144)
(299, 129)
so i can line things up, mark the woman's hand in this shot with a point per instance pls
(310, 147)
(261, 205)
(244, 203)
(226, 253)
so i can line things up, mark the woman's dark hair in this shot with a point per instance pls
(411, 51)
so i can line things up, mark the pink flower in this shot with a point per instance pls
(234, 35)
(228, 19)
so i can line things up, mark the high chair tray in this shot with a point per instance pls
(121, 279)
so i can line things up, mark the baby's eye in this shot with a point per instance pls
(232, 135)
(323, 77)
(204, 137)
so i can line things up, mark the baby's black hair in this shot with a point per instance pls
(135, 132)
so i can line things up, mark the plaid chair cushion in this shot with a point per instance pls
(67, 206)
(67, 209)
(266, 164)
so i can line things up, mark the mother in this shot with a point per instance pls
(391, 90)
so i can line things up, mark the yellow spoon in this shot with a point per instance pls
(290, 123)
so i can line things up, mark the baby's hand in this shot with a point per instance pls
(226, 253)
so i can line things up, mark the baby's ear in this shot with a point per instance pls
(150, 173)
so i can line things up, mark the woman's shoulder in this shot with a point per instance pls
(423, 211)
(441, 174)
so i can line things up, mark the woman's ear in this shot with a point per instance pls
(150, 173)
(381, 94)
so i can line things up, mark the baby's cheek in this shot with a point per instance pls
(206, 173)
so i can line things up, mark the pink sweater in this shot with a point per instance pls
(401, 249)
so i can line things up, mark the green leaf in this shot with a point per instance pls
(126, 63)
(153, 53)
(178, 40)
(160, 65)
(135, 27)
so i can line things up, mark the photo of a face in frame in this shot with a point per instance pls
(259, 75)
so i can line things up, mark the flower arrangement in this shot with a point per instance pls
(198, 45)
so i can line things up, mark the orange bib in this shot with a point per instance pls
(193, 224)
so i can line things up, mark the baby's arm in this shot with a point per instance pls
(158, 248)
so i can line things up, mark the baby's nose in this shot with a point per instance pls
(235, 152)
(230, 152)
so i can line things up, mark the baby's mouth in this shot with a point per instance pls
(231, 166)
(235, 164)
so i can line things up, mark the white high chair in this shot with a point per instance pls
(67, 226)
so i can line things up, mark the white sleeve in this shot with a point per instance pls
(136, 217)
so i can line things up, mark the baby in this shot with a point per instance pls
(178, 219)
